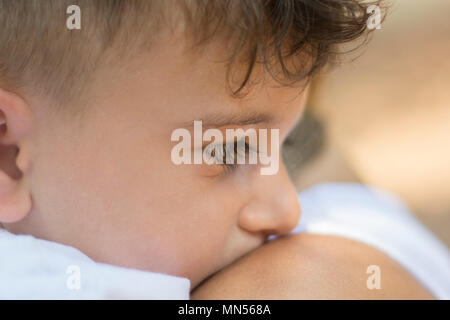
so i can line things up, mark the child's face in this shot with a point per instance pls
(109, 187)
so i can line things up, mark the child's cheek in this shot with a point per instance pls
(210, 170)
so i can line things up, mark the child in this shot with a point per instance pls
(87, 118)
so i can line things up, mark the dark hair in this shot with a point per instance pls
(292, 39)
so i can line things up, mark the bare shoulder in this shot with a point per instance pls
(310, 266)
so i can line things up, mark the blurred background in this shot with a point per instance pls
(384, 119)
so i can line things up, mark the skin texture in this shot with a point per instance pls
(105, 184)
(307, 266)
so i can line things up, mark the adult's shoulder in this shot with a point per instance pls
(307, 266)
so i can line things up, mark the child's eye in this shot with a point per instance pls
(232, 151)
(231, 148)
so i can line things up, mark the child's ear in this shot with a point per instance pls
(16, 122)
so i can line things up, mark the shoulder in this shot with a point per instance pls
(307, 266)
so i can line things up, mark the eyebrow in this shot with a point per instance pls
(217, 120)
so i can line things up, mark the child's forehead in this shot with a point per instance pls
(209, 64)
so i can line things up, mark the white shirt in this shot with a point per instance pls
(33, 268)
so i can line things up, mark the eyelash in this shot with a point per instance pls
(233, 147)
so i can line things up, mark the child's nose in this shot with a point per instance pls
(274, 209)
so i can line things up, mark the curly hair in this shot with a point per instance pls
(291, 39)
(282, 34)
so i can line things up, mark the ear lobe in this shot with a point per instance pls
(15, 130)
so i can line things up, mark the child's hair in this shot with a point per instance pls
(38, 51)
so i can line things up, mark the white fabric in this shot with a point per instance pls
(380, 219)
(32, 268)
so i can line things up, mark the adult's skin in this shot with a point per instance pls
(310, 266)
